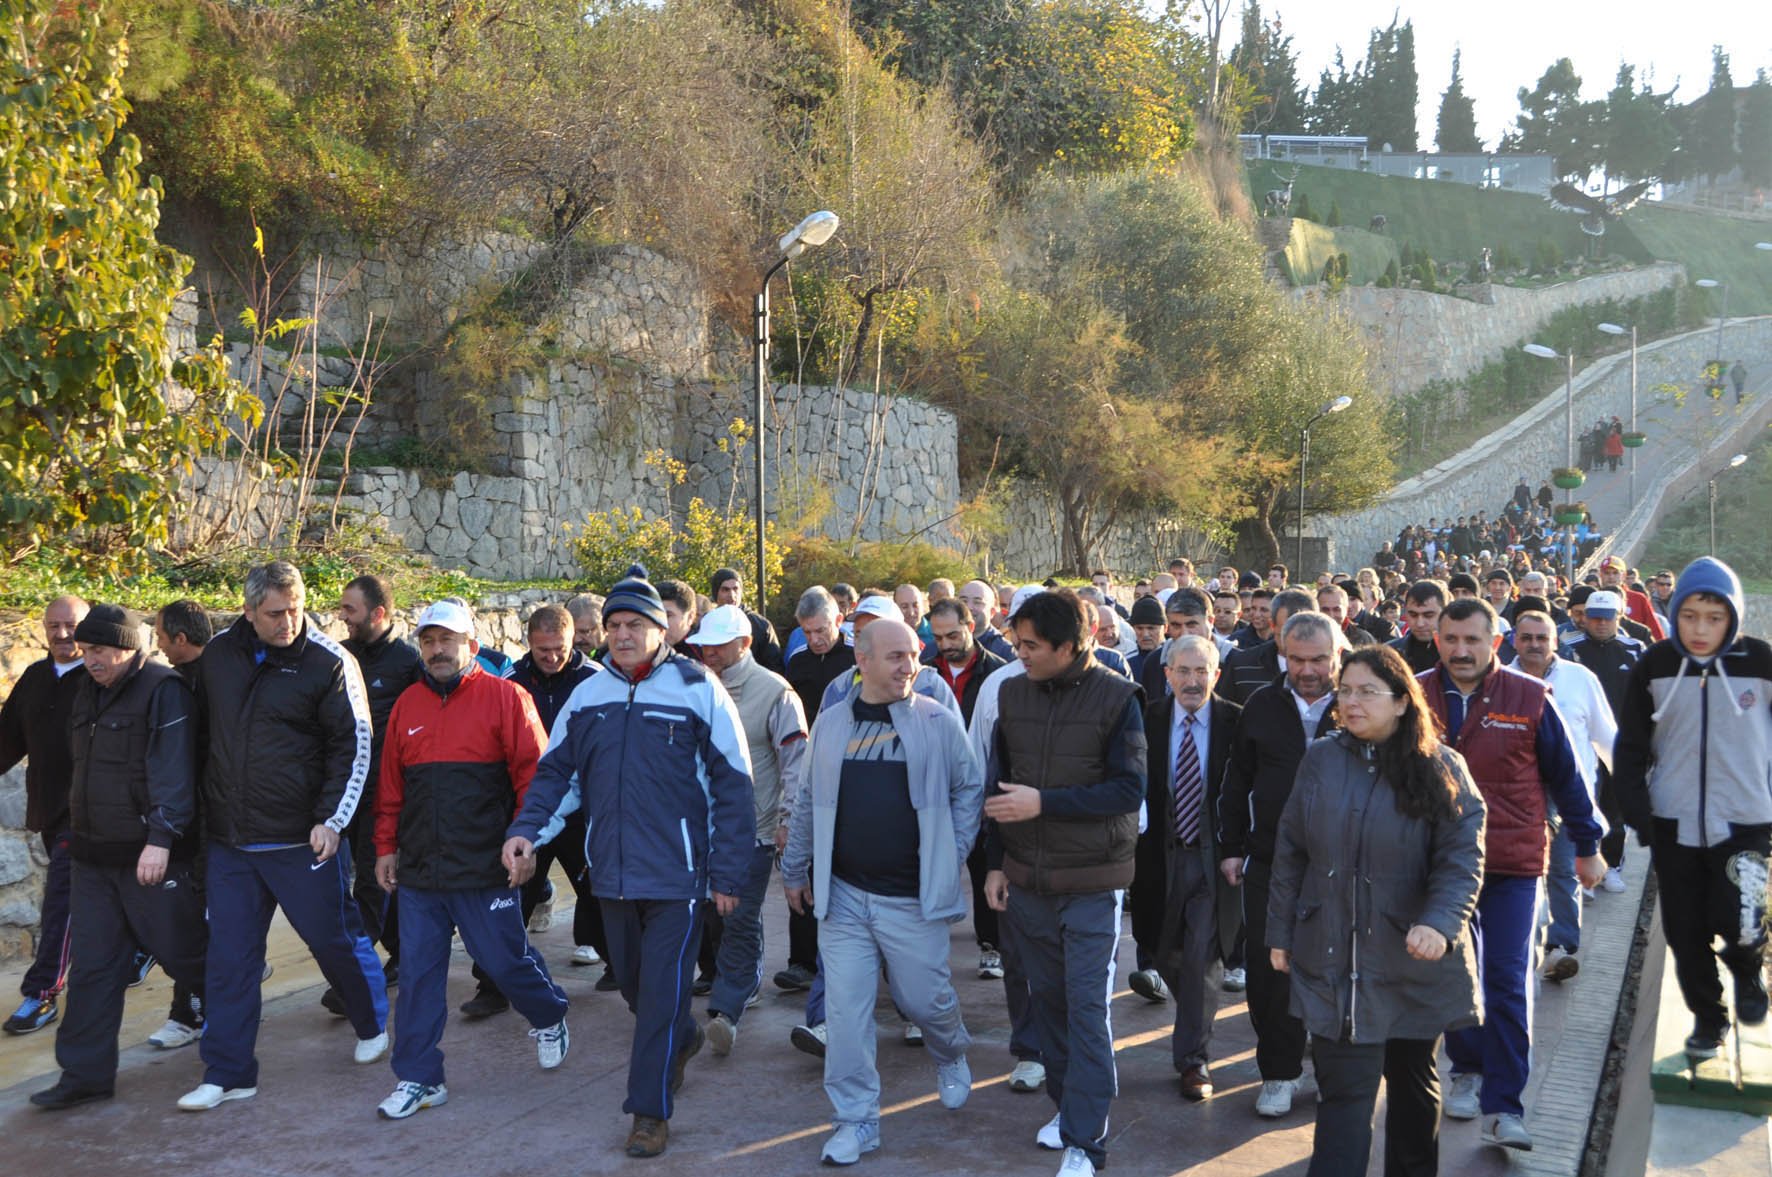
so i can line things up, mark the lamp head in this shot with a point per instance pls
(1613, 329)
(1339, 403)
(1707, 283)
(1765, 245)
(1543, 352)
(1737, 460)
(814, 230)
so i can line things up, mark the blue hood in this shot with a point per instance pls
(1707, 574)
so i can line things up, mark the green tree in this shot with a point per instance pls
(1756, 132)
(1555, 121)
(1456, 129)
(99, 420)
(1391, 88)
(1265, 57)
(1712, 147)
(1638, 131)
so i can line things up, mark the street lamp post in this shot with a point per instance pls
(814, 230)
(1304, 454)
(1722, 314)
(1615, 329)
(1551, 353)
(1737, 460)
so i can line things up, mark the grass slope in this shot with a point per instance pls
(1710, 246)
(1311, 245)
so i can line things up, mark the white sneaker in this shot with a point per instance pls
(849, 1142)
(543, 917)
(953, 1083)
(1275, 1099)
(208, 1095)
(370, 1050)
(913, 1034)
(585, 954)
(174, 1034)
(1614, 880)
(722, 1034)
(1048, 1137)
(411, 1097)
(1506, 1131)
(1028, 1075)
(1465, 1100)
(1076, 1164)
(551, 1045)
(1587, 894)
(1235, 980)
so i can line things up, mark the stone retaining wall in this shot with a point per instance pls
(1532, 444)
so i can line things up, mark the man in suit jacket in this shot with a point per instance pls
(1277, 724)
(1189, 736)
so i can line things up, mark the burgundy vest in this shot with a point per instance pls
(1499, 742)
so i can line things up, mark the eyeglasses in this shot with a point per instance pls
(1366, 694)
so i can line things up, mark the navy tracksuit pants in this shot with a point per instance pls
(492, 930)
(245, 888)
(652, 949)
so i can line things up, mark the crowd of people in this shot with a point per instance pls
(1344, 799)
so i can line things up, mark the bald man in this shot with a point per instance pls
(981, 598)
(34, 725)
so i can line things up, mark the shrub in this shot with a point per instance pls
(1334, 220)
(1301, 208)
(708, 540)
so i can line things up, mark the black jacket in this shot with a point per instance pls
(34, 724)
(1419, 655)
(1160, 802)
(809, 674)
(765, 646)
(134, 751)
(1248, 670)
(550, 691)
(389, 665)
(1265, 753)
(289, 736)
(988, 664)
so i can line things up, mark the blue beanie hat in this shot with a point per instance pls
(635, 594)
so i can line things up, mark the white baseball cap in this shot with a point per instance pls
(880, 607)
(725, 623)
(1022, 594)
(1604, 604)
(451, 615)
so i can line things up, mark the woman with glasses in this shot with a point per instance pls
(1375, 876)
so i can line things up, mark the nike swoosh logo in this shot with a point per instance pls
(317, 866)
(413, 731)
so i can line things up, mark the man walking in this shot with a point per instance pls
(890, 810)
(289, 749)
(774, 729)
(1611, 655)
(728, 589)
(1519, 751)
(1190, 735)
(131, 804)
(652, 752)
(461, 751)
(1278, 722)
(34, 724)
(1069, 781)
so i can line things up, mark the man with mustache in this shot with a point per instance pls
(1519, 750)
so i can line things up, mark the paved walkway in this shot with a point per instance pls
(761, 1111)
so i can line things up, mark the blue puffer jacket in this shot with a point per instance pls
(659, 766)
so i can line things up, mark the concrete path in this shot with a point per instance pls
(761, 1111)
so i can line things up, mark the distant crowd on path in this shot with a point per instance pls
(1343, 799)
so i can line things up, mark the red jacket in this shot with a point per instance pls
(1639, 610)
(454, 769)
(1499, 742)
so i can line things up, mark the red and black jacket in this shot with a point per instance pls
(456, 762)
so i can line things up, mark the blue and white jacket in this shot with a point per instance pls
(660, 768)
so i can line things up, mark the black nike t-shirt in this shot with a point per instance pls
(875, 844)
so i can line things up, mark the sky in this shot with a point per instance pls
(1507, 44)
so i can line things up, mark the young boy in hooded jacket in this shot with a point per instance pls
(1693, 769)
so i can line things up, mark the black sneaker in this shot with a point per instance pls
(704, 985)
(140, 967)
(333, 1004)
(796, 978)
(391, 970)
(67, 1093)
(32, 1015)
(1750, 996)
(607, 982)
(689, 1051)
(1706, 1041)
(484, 1003)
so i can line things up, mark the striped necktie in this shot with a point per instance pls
(1189, 784)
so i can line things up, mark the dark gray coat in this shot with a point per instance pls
(1351, 876)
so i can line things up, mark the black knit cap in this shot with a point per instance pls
(636, 594)
(110, 625)
(721, 577)
(1147, 611)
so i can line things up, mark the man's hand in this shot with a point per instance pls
(1425, 943)
(384, 872)
(1281, 960)
(519, 860)
(150, 868)
(1014, 803)
(1232, 870)
(1591, 870)
(781, 839)
(725, 905)
(996, 890)
(323, 841)
(799, 899)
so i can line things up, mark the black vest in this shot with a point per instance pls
(109, 741)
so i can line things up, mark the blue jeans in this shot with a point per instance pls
(858, 932)
(1500, 1049)
(1563, 894)
(491, 924)
(739, 971)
